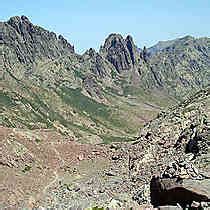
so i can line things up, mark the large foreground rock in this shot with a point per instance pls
(173, 192)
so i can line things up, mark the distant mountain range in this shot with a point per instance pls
(121, 127)
(45, 83)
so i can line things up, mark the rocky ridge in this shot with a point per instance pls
(77, 83)
(30, 43)
(122, 53)
(170, 157)
(100, 98)
(183, 66)
(176, 67)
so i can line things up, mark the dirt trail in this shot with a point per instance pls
(52, 182)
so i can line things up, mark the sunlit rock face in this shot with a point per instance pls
(122, 53)
(30, 42)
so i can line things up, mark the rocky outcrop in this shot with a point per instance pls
(144, 54)
(122, 53)
(96, 63)
(92, 88)
(179, 66)
(176, 148)
(29, 43)
(172, 192)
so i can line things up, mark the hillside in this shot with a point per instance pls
(44, 84)
(174, 146)
(183, 66)
(103, 128)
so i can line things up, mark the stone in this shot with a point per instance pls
(110, 173)
(115, 157)
(32, 43)
(80, 157)
(195, 204)
(169, 207)
(170, 192)
(122, 53)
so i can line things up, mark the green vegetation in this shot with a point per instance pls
(131, 90)
(84, 104)
(37, 140)
(96, 208)
(26, 169)
(79, 74)
(5, 100)
(110, 139)
(113, 73)
(36, 109)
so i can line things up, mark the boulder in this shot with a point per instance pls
(168, 191)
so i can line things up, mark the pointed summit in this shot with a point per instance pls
(133, 50)
(122, 53)
(98, 64)
(32, 43)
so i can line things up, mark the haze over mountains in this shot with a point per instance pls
(97, 97)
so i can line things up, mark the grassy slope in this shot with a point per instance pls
(53, 97)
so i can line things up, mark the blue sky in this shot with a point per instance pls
(86, 23)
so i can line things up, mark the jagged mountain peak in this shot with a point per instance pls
(19, 18)
(96, 63)
(32, 43)
(90, 52)
(114, 39)
(113, 36)
(129, 38)
(122, 53)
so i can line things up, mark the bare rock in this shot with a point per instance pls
(171, 191)
(122, 53)
(30, 43)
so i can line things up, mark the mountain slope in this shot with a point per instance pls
(181, 67)
(161, 45)
(70, 123)
(177, 66)
(44, 84)
(174, 146)
(29, 43)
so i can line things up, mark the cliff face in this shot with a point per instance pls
(57, 101)
(122, 53)
(30, 43)
(97, 64)
(182, 66)
(177, 66)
